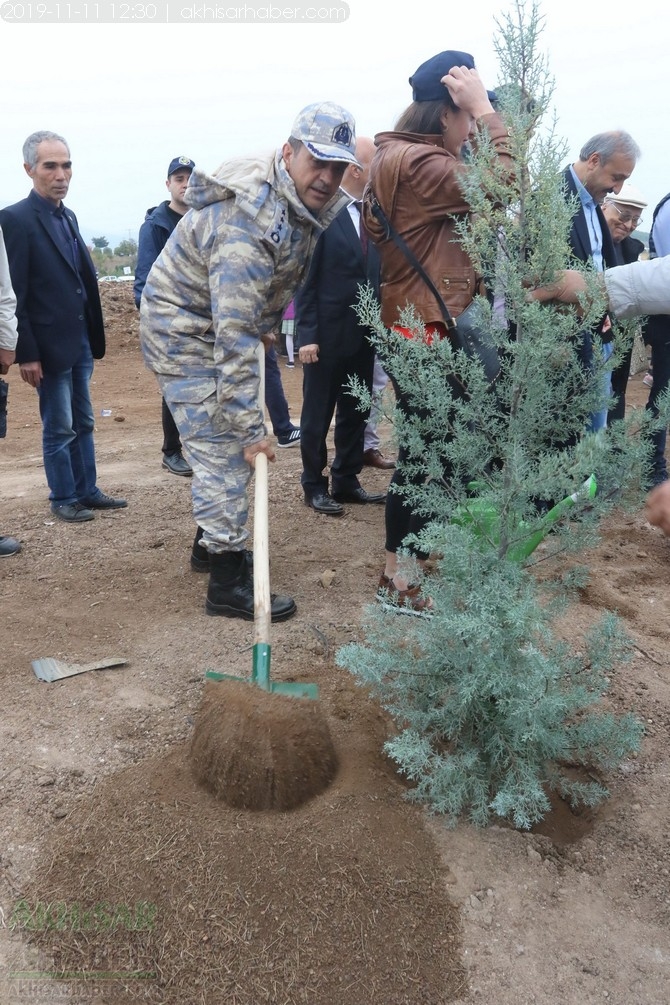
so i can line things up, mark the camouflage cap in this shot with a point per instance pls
(328, 131)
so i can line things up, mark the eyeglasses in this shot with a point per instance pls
(626, 217)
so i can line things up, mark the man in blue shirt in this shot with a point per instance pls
(605, 162)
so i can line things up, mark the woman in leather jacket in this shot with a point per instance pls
(416, 177)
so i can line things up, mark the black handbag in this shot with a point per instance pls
(466, 331)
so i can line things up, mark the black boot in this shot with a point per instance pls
(231, 589)
(200, 555)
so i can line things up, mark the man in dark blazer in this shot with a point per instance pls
(605, 162)
(334, 347)
(60, 326)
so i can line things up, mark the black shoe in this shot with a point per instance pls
(230, 593)
(176, 464)
(322, 502)
(9, 546)
(359, 495)
(238, 602)
(73, 513)
(102, 501)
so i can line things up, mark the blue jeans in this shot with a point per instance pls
(599, 419)
(67, 432)
(275, 399)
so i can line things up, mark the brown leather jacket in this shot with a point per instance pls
(417, 184)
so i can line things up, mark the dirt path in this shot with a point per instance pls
(357, 898)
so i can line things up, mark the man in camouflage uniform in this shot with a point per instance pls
(220, 285)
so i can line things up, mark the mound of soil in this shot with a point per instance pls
(261, 751)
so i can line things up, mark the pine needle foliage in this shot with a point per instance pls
(494, 710)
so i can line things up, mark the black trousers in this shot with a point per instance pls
(324, 388)
(171, 440)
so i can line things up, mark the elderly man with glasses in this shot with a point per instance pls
(623, 212)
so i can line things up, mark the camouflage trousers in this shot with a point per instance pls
(220, 473)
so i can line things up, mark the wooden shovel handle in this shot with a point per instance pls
(261, 543)
(261, 553)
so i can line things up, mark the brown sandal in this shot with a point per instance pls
(407, 601)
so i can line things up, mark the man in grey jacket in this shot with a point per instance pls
(219, 287)
(632, 290)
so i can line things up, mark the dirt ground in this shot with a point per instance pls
(356, 898)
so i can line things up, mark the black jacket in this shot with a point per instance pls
(325, 305)
(158, 224)
(54, 303)
(580, 242)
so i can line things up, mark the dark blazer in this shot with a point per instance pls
(580, 242)
(325, 314)
(325, 304)
(579, 232)
(52, 305)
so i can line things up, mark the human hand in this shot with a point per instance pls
(467, 90)
(657, 510)
(31, 373)
(269, 340)
(7, 357)
(569, 288)
(309, 353)
(262, 447)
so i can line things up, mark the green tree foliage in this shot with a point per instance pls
(100, 242)
(493, 708)
(126, 248)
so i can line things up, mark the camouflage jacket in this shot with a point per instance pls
(223, 280)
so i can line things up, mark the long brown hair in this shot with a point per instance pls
(424, 117)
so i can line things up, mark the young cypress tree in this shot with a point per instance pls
(493, 708)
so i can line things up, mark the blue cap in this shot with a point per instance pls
(427, 81)
(180, 164)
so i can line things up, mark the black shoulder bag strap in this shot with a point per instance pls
(469, 337)
(391, 232)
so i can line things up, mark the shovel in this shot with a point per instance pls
(260, 664)
(50, 669)
(254, 745)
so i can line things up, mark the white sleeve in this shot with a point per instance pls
(7, 302)
(639, 288)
